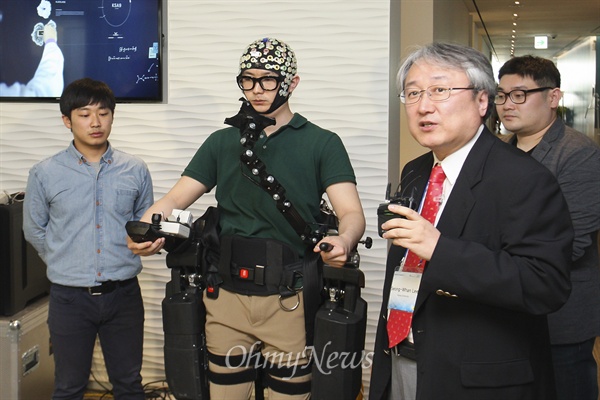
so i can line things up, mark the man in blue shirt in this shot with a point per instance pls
(76, 205)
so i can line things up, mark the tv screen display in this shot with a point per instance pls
(47, 44)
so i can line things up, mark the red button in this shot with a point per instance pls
(244, 273)
(210, 289)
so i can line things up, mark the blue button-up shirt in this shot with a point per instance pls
(74, 215)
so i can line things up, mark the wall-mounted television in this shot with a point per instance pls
(46, 44)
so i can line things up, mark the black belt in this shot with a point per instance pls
(405, 349)
(259, 267)
(104, 287)
(108, 286)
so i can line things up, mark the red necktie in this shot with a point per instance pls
(399, 322)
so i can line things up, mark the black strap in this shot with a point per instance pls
(231, 359)
(262, 377)
(287, 387)
(259, 267)
(288, 371)
(225, 260)
(251, 124)
(232, 378)
(206, 228)
(247, 375)
(313, 291)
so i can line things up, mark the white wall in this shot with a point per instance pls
(422, 22)
(343, 52)
(578, 80)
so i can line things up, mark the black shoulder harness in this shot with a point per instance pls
(251, 124)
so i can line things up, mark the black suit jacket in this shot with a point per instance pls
(500, 265)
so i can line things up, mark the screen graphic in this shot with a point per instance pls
(46, 44)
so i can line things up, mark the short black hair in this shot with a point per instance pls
(541, 70)
(86, 91)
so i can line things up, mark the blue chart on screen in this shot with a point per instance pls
(116, 41)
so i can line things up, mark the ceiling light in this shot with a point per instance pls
(514, 23)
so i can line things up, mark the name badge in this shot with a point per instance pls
(403, 294)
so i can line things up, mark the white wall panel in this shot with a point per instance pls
(342, 48)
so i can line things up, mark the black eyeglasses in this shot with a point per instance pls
(267, 83)
(518, 96)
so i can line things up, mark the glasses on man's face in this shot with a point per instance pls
(435, 93)
(518, 96)
(267, 83)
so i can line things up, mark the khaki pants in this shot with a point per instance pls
(242, 325)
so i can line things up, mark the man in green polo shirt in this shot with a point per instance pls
(308, 161)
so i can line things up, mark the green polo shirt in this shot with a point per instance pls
(304, 158)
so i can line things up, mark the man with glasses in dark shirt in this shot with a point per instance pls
(527, 102)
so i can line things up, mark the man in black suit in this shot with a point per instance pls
(496, 258)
